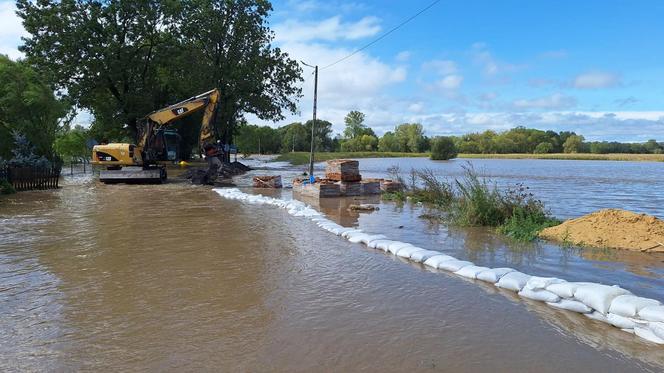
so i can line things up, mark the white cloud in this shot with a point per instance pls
(490, 65)
(329, 29)
(403, 56)
(555, 101)
(597, 79)
(416, 107)
(442, 67)
(11, 30)
(451, 82)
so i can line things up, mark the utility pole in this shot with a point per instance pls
(313, 124)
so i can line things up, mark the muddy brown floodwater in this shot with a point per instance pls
(174, 278)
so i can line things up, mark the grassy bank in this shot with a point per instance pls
(473, 200)
(298, 158)
(573, 156)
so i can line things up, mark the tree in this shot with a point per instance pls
(233, 43)
(122, 59)
(72, 144)
(355, 126)
(258, 139)
(388, 143)
(410, 137)
(443, 148)
(294, 137)
(543, 148)
(573, 144)
(24, 153)
(322, 134)
(28, 107)
(105, 55)
(653, 147)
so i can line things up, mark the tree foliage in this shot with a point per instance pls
(27, 107)
(123, 59)
(72, 144)
(443, 148)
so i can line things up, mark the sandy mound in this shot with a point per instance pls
(611, 228)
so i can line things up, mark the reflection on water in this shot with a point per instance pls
(172, 277)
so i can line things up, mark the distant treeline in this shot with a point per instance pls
(409, 137)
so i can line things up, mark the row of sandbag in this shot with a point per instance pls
(610, 304)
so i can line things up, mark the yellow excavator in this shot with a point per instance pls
(144, 161)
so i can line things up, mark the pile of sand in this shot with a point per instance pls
(611, 228)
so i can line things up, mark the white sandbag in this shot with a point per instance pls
(598, 296)
(470, 271)
(396, 246)
(536, 282)
(421, 256)
(347, 233)
(571, 305)
(435, 260)
(566, 289)
(539, 295)
(652, 313)
(514, 281)
(453, 265)
(407, 251)
(340, 231)
(620, 321)
(493, 275)
(372, 237)
(385, 245)
(357, 237)
(378, 244)
(646, 333)
(629, 305)
(597, 316)
(657, 328)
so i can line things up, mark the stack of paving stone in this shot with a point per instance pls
(370, 186)
(390, 186)
(343, 170)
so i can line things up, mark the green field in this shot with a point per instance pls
(573, 156)
(298, 158)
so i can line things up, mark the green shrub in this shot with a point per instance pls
(524, 226)
(474, 201)
(443, 148)
(6, 187)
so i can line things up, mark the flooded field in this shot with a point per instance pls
(173, 277)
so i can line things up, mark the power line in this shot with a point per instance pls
(383, 36)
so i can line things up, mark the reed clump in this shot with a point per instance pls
(473, 200)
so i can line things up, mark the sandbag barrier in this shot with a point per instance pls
(610, 304)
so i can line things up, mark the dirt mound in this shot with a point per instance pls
(611, 228)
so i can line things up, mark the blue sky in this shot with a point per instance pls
(594, 67)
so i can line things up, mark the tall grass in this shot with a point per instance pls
(473, 200)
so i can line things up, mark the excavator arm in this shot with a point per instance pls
(161, 118)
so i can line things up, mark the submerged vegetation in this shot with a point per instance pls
(472, 200)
